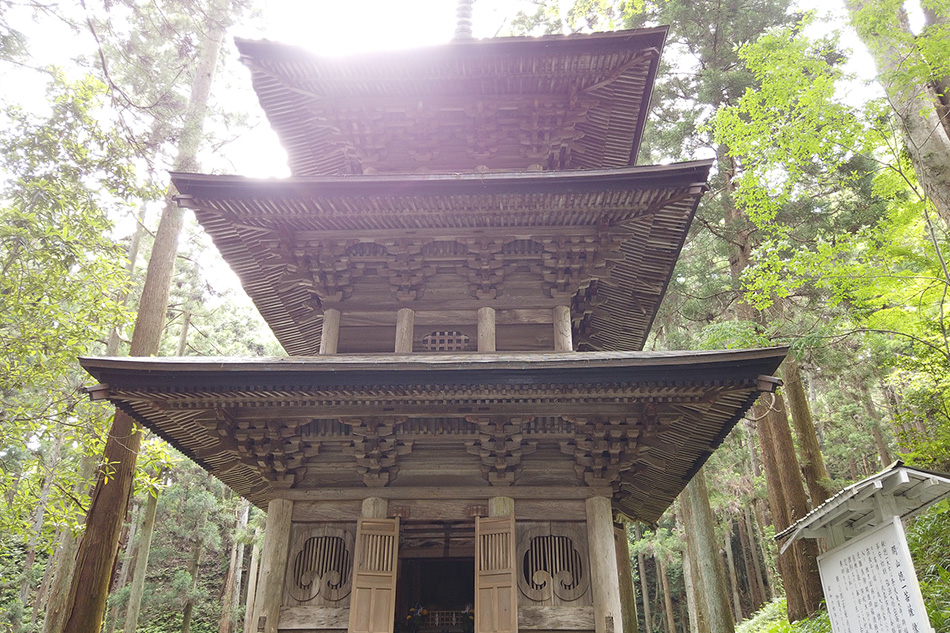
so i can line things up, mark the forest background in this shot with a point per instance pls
(825, 229)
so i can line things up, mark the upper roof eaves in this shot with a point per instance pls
(554, 102)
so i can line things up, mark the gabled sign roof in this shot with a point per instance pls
(897, 490)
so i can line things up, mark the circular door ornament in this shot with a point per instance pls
(322, 567)
(550, 565)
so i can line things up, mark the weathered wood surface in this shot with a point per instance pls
(475, 493)
(313, 618)
(404, 330)
(496, 587)
(330, 338)
(562, 329)
(555, 618)
(604, 577)
(614, 277)
(486, 329)
(628, 597)
(569, 507)
(373, 600)
(328, 510)
(553, 572)
(307, 428)
(273, 567)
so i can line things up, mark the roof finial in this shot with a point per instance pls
(463, 14)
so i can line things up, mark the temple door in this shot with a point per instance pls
(373, 599)
(496, 603)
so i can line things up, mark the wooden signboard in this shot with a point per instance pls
(870, 584)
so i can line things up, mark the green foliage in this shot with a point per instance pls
(844, 221)
(930, 551)
(65, 174)
(58, 262)
(772, 618)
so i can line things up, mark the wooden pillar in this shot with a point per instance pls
(486, 329)
(628, 597)
(374, 508)
(330, 337)
(405, 321)
(501, 506)
(604, 577)
(562, 329)
(273, 567)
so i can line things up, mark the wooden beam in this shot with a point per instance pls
(475, 493)
(273, 568)
(562, 329)
(455, 317)
(500, 506)
(486, 329)
(404, 330)
(604, 576)
(330, 337)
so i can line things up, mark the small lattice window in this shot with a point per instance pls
(447, 341)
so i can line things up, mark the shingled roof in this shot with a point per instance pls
(636, 423)
(619, 231)
(558, 102)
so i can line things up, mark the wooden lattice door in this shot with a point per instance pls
(373, 598)
(496, 598)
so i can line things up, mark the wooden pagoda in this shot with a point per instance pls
(463, 268)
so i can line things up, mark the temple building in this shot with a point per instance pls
(463, 268)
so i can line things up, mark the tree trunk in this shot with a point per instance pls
(644, 589)
(733, 576)
(796, 505)
(112, 347)
(813, 466)
(750, 557)
(787, 566)
(39, 515)
(128, 562)
(64, 560)
(667, 596)
(941, 83)
(705, 561)
(916, 104)
(232, 581)
(110, 499)
(193, 567)
(252, 570)
(141, 563)
(875, 418)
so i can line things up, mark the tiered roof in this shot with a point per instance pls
(306, 244)
(496, 173)
(632, 423)
(576, 102)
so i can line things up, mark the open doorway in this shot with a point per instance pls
(435, 587)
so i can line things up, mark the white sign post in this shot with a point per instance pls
(870, 584)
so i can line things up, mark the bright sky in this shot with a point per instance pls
(332, 27)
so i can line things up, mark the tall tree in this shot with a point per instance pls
(913, 69)
(110, 499)
(706, 569)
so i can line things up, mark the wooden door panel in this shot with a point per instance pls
(496, 605)
(373, 599)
